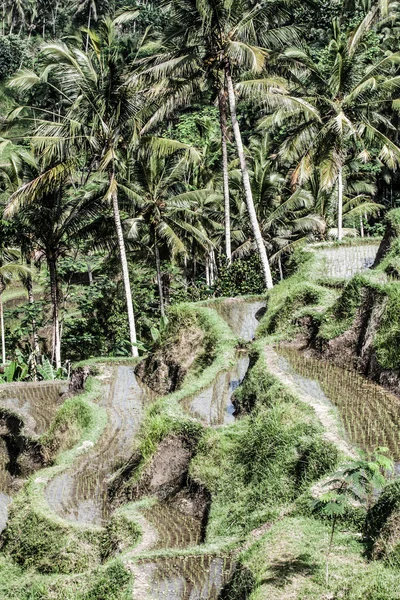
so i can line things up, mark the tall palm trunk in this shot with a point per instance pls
(222, 104)
(88, 26)
(3, 335)
(31, 300)
(159, 280)
(246, 183)
(124, 264)
(54, 293)
(340, 203)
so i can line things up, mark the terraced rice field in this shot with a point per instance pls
(347, 261)
(36, 405)
(241, 316)
(187, 577)
(213, 406)
(369, 414)
(80, 494)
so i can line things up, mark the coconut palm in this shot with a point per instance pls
(358, 200)
(52, 214)
(167, 211)
(334, 111)
(286, 217)
(99, 118)
(205, 46)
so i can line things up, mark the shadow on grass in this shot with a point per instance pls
(284, 570)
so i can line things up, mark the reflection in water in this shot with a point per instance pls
(369, 413)
(241, 316)
(81, 495)
(189, 577)
(213, 406)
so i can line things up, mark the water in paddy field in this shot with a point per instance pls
(241, 316)
(80, 494)
(188, 577)
(347, 261)
(36, 404)
(213, 406)
(370, 415)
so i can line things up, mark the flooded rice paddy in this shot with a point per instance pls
(35, 405)
(187, 577)
(80, 494)
(347, 261)
(369, 414)
(213, 406)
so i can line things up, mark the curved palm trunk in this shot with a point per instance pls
(55, 303)
(222, 105)
(340, 203)
(125, 270)
(159, 280)
(246, 184)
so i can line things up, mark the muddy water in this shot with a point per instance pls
(369, 414)
(347, 261)
(241, 316)
(80, 494)
(213, 406)
(36, 404)
(187, 577)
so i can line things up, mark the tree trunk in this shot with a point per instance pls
(55, 302)
(222, 104)
(89, 23)
(361, 226)
(125, 270)
(159, 280)
(207, 270)
(3, 335)
(90, 273)
(246, 184)
(31, 300)
(340, 203)
(280, 268)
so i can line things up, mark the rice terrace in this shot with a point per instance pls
(199, 300)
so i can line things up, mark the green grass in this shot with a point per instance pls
(35, 536)
(290, 561)
(166, 416)
(258, 466)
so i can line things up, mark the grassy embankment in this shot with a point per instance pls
(61, 559)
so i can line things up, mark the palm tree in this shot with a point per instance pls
(203, 46)
(166, 211)
(286, 217)
(48, 192)
(98, 121)
(333, 112)
(358, 202)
